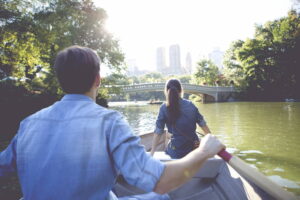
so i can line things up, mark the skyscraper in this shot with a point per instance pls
(131, 67)
(175, 64)
(188, 63)
(217, 57)
(160, 59)
(296, 5)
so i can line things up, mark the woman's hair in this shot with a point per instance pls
(173, 92)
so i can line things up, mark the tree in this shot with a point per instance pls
(233, 70)
(78, 22)
(269, 62)
(32, 33)
(206, 72)
(20, 50)
(184, 78)
(153, 77)
(21, 55)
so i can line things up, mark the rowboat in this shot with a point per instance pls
(216, 180)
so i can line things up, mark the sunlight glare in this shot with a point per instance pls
(197, 26)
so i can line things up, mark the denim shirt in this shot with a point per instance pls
(183, 131)
(74, 149)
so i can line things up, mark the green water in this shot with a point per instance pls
(265, 135)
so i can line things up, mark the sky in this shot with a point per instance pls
(198, 26)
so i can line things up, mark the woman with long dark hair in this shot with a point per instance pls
(181, 117)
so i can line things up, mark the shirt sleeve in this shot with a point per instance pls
(130, 158)
(199, 118)
(8, 159)
(160, 121)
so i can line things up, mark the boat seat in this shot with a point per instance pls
(210, 168)
(199, 187)
(162, 156)
(215, 180)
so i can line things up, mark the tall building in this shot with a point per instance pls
(131, 67)
(188, 63)
(160, 59)
(217, 57)
(296, 5)
(175, 65)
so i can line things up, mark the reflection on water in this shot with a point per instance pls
(251, 151)
(284, 182)
(140, 115)
(265, 135)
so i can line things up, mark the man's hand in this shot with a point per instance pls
(210, 145)
(181, 170)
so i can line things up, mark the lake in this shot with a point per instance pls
(266, 135)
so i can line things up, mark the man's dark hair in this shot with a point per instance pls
(76, 69)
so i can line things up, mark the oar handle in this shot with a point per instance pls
(225, 155)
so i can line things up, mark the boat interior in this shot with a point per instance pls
(216, 180)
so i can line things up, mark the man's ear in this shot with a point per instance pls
(97, 81)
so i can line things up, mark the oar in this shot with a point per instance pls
(256, 177)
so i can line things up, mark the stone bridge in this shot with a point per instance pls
(208, 93)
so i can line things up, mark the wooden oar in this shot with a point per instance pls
(256, 177)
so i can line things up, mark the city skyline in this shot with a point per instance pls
(197, 26)
(178, 64)
(161, 62)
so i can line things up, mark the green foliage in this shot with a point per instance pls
(267, 66)
(110, 82)
(233, 70)
(185, 78)
(207, 73)
(20, 55)
(32, 32)
(153, 77)
(195, 98)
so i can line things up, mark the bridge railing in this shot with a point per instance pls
(186, 87)
(208, 88)
(147, 85)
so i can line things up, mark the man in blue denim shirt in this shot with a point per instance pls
(75, 148)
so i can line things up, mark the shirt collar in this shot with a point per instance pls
(76, 97)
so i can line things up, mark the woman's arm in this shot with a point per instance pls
(155, 141)
(201, 122)
(159, 129)
(205, 129)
